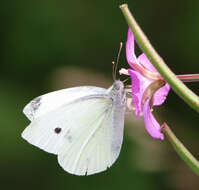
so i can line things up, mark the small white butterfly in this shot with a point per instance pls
(82, 125)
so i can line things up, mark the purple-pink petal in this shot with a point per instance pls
(161, 95)
(139, 84)
(143, 59)
(135, 91)
(152, 126)
(130, 53)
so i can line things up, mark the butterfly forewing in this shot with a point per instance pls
(52, 101)
(42, 131)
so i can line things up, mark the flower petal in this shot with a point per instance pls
(161, 95)
(139, 84)
(152, 126)
(143, 59)
(130, 53)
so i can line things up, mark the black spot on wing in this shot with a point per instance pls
(32, 107)
(68, 136)
(69, 139)
(36, 103)
(57, 130)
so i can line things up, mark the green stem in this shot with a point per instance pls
(178, 86)
(181, 149)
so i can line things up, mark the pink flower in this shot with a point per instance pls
(143, 77)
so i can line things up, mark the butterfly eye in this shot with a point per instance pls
(57, 130)
(116, 86)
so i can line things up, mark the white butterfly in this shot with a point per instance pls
(82, 125)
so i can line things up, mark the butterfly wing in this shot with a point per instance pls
(42, 134)
(90, 138)
(51, 101)
(99, 145)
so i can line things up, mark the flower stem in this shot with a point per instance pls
(189, 78)
(182, 90)
(181, 149)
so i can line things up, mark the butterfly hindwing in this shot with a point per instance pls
(98, 145)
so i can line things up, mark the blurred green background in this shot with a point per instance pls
(54, 44)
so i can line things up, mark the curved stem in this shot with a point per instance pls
(191, 161)
(179, 87)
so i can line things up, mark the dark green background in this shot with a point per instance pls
(47, 44)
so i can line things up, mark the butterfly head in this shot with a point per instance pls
(118, 86)
(117, 92)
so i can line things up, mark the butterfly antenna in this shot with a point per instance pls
(118, 56)
(113, 70)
